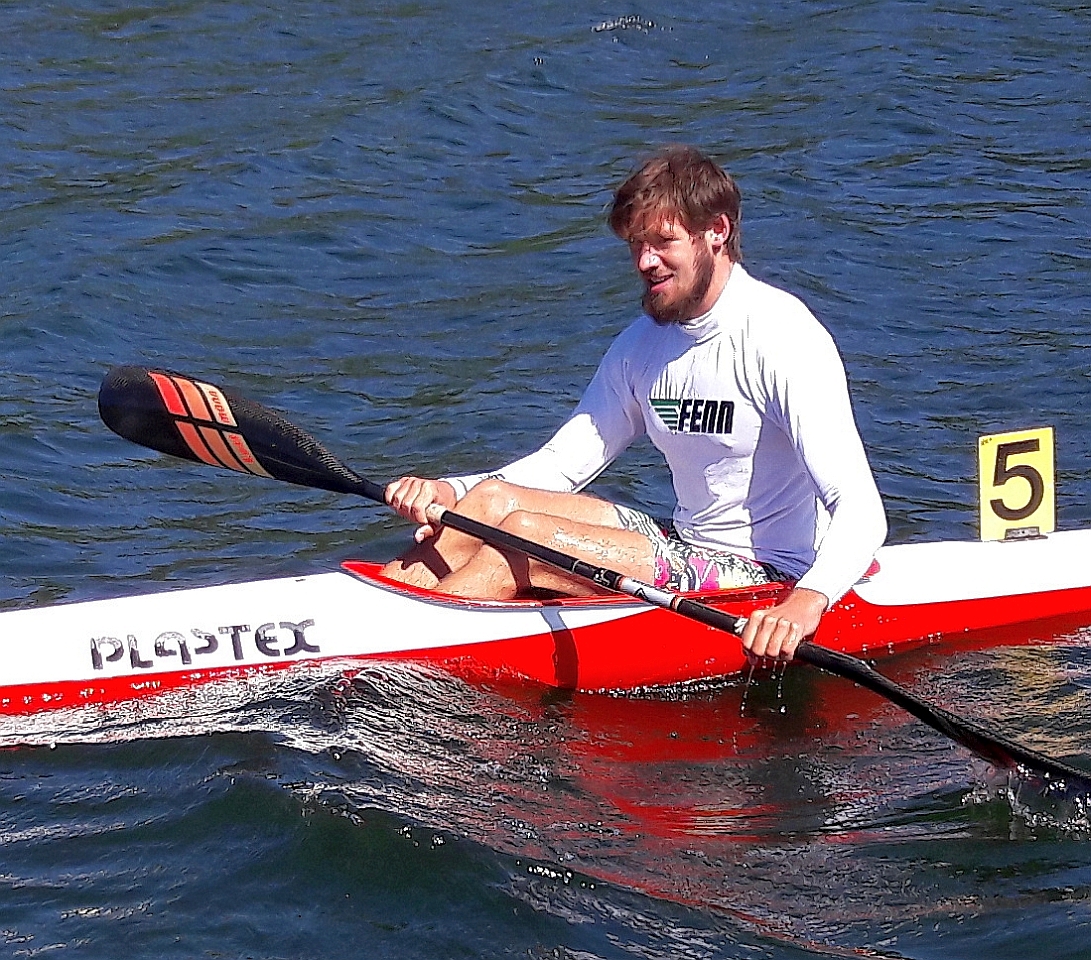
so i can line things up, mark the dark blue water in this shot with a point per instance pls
(386, 220)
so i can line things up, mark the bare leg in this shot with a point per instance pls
(425, 564)
(501, 574)
(493, 502)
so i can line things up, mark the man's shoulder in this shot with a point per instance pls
(636, 334)
(765, 293)
(641, 346)
(774, 314)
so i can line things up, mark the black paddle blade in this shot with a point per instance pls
(197, 421)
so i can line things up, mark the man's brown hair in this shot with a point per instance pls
(678, 183)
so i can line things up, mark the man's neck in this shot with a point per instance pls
(721, 274)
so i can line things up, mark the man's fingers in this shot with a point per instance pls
(771, 636)
(397, 491)
(422, 501)
(411, 497)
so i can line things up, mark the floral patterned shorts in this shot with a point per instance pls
(679, 566)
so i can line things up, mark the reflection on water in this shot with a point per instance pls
(806, 797)
(740, 798)
(792, 807)
(817, 795)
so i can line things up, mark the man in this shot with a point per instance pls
(737, 385)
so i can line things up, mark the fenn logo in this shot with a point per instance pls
(694, 415)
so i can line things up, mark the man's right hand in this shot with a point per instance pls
(412, 496)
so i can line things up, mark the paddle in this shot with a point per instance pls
(196, 421)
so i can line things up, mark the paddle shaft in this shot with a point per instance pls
(199, 422)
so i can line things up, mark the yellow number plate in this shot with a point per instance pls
(1016, 484)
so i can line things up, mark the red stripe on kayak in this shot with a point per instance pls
(29, 698)
(168, 393)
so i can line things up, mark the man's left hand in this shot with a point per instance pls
(777, 631)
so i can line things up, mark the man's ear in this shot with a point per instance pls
(719, 231)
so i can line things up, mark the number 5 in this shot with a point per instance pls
(1025, 455)
(1003, 473)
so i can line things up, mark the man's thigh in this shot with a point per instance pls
(628, 552)
(579, 507)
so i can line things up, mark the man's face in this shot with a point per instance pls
(677, 268)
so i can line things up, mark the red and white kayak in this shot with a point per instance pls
(108, 651)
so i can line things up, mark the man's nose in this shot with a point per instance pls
(647, 258)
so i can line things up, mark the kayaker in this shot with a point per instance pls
(739, 387)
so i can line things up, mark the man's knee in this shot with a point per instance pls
(489, 501)
(523, 523)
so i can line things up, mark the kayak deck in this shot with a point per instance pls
(107, 651)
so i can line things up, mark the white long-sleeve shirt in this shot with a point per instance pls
(750, 407)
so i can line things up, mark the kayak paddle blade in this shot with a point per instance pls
(197, 421)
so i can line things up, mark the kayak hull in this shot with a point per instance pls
(109, 651)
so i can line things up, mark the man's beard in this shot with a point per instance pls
(685, 308)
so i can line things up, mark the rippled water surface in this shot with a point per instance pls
(386, 220)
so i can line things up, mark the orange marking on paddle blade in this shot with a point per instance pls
(242, 450)
(220, 450)
(195, 400)
(168, 393)
(196, 444)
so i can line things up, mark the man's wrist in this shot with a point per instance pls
(813, 601)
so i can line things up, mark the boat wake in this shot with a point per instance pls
(729, 805)
(1037, 805)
